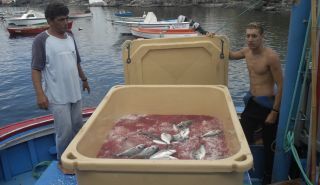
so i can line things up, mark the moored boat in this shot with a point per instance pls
(160, 24)
(134, 19)
(151, 21)
(30, 18)
(124, 14)
(80, 15)
(97, 3)
(31, 30)
(26, 144)
(151, 33)
(255, 161)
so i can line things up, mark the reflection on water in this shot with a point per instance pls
(99, 43)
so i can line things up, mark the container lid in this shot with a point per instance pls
(189, 61)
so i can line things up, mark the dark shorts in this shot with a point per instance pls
(253, 118)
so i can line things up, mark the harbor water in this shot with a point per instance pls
(99, 43)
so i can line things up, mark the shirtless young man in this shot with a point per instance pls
(262, 101)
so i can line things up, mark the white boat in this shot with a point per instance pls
(151, 21)
(97, 3)
(151, 33)
(80, 15)
(134, 19)
(159, 25)
(30, 18)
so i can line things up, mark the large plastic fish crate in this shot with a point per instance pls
(208, 100)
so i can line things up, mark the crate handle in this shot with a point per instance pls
(243, 162)
(69, 160)
(222, 54)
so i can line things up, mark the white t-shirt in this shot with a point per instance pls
(57, 59)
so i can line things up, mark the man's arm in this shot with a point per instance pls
(42, 99)
(275, 67)
(237, 55)
(85, 83)
(276, 71)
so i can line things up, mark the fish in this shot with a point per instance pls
(162, 153)
(182, 125)
(149, 135)
(212, 133)
(182, 135)
(166, 138)
(160, 142)
(131, 151)
(167, 158)
(200, 153)
(147, 152)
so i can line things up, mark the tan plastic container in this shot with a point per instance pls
(189, 61)
(166, 100)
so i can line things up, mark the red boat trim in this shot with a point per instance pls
(18, 127)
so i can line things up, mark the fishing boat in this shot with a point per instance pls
(24, 145)
(30, 18)
(80, 15)
(158, 24)
(23, 151)
(151, 21)
(97, 3)
(134, 19)
(151, 33)
(31, 30)
(123, 13)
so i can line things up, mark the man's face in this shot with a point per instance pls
(59, 24)
(254, 38)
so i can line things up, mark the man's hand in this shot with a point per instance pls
(85, 85)
(271, 118)
(43, 102)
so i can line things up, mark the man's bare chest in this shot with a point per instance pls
(256, 65)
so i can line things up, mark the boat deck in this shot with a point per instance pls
(53, 176)
(23, 179)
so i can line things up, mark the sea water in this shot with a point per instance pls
(100, 45)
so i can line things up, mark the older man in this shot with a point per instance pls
(56, 61)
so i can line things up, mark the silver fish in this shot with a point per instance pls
(162, 153)
(182, 125)
(147, 152)
(149, 135)
(182, 135)
(160, 142)
(167, 158)
(131, 151)
(212, 133)
(200, 153)
(166, 138)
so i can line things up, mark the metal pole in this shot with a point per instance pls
(300, 12)
(313, 131)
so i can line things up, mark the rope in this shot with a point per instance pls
(290, 138)
(249, 8)
(302, 62)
